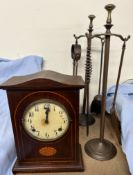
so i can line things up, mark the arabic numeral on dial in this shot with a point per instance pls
(46, 105)
(31, 114)
(61, 112)
(60, 129)
(36, 108)
(33, 129)
(65, 121)
(56, 132)
(46, 135)
(38, 133)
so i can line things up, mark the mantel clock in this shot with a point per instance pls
(44, 111)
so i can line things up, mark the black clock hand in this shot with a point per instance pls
(47, 112)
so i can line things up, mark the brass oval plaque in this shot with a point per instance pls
(47, 151)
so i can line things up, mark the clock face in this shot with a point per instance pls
(45, 120)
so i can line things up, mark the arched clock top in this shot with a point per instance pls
(43, 80)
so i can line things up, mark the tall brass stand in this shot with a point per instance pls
(100, 148)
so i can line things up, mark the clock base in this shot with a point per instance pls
(56, 166)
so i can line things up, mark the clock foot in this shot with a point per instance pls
(82, 119)
(45, 166)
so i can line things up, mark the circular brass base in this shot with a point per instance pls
(82, 119)
(100, 150)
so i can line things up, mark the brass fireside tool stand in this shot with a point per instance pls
(100, 148)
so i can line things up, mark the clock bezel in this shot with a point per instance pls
(51, 101)
(36, 95)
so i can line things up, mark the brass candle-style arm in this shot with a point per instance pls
(109, 34)
(78, 37)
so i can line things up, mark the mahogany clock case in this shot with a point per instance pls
(63, 154)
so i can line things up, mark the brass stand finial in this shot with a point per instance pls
(109, 9)
(91, 17)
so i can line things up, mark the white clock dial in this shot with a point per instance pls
(46, 120)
